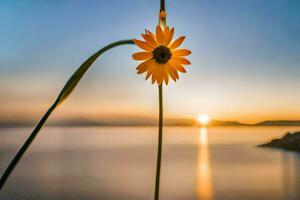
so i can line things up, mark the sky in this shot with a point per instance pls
(245, 59)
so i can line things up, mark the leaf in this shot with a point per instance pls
(66, 91)
(75, 78)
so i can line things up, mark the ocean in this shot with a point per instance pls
(119, 163)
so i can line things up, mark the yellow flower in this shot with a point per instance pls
(161, 57)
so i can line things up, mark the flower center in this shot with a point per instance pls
(162, 54)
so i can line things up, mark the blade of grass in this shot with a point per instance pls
(66, 91)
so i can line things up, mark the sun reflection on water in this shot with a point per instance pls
(204, 188)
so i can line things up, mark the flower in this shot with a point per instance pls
(161, 58)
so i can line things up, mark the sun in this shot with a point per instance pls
(203, 119)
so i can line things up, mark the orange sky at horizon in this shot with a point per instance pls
(245, 60)
(89, 108)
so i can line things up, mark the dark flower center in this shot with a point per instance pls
(162, 54)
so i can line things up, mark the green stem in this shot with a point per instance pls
(66, 91)
(25, 146)
(161, 22)
(162, 5)
(159, 148)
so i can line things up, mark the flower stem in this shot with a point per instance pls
(25, 146)
(162, 5)
(159, 149)
(68, 88)
(162, 22)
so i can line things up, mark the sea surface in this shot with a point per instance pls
(118, 163)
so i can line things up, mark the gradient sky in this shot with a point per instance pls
(245, 61)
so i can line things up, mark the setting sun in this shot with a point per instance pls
(203, 119)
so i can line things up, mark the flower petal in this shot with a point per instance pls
(142, 55)
(177, 42)
(144, 66)
(150, 70)
(150, 40)
(180, 68)
(166, 34)
(166, 31)
(177, 66)
(151, 34)
(154, 75)
(169, 37)
(175, 73)
(149, 73)
(143, 45)
(166, 75)
(160, 75)
(181, 52)
(180, 60)
(170, 72)
(159, 35)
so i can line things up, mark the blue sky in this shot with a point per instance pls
(245, 61)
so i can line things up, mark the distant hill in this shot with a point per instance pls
(226, 123)
(279, 123)
(144, 121)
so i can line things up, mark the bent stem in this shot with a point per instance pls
(159, 148)
(66, 91)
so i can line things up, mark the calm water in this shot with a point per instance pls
(119, 163)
